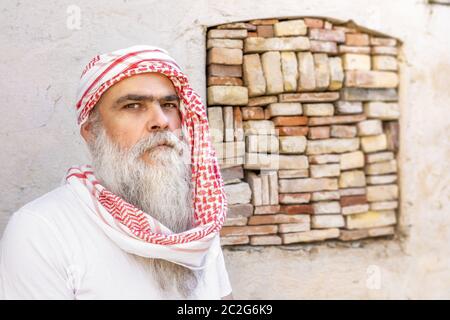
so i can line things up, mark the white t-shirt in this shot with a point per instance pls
(52, 249)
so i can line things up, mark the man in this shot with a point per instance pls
(143, 221)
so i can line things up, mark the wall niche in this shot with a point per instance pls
(303, 114)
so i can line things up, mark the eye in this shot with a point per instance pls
(132, 106)
(170, 105)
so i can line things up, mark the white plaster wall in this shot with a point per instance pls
(40, 63)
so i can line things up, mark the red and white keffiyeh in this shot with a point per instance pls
(132, 229)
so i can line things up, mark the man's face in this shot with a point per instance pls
(138, 106)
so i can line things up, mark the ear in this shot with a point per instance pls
(86, 131)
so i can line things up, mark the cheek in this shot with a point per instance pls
(126, 133)
(175, 121)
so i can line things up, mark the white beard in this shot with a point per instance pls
(161, 188)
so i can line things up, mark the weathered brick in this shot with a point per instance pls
(265, 31)
(328, 47)
(313, 22)
(382, 179)
(299, 173)
(349, 107)
(374, 143)
(310, 236)
(270, 209)
(357, 208)
(352, 179)
(325, 195)
(388, 63)
(284, 109)
(324, 158)
(315, 133)
(392, 131)
(382, 50)
(352, 191)
(306, 185)
(238, 124)
(384, 167)
(235, 172)
(306, 71)
(263, 22)
(331, 146)
(225, 56)
(379, 156)
(262, 143)
(215, 119)
(382, 110)
(327, 35)
(352, 160)
(228, 123)
(224, 81)
(383, 205)
(237, 25)
(336, 73)
(229, 149)
(289, 68)
(225, 43)
(254, 75)
(371, 79)
(227, 95)
(290, 28)
(340, 131)
(354, 49)
(327, 221)
(322, 71)
(292, 131)
(276, 219)
(370, 127)
(327, 207)
(220, 70)
(240, 210)
(258, 127)
(261, 101)
(386, 42)
(357, 39)
(361, 94)
(233, 240)
(258, 44)
(265, 240)
(283, 121)
(309, 97)
(248, 230)
(297, 209)
(271, 64)
(292, 144)
(353, 61)
(370, 219)
(320, 121)
(353, 200)
(318, 109)
(235, 221)
(227, 33)
(294, 198)
(382, 193)
(295, 227)
(237, 193)
(324, 170)
(252, 113)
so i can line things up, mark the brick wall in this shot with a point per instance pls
(304, 120)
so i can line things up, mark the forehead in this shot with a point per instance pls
(155, 84)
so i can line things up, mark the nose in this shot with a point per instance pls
(157, 119)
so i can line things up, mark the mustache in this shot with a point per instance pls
(156, 139)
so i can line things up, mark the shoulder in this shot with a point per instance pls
(35, 221)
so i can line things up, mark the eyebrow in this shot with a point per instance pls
(140, 97)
